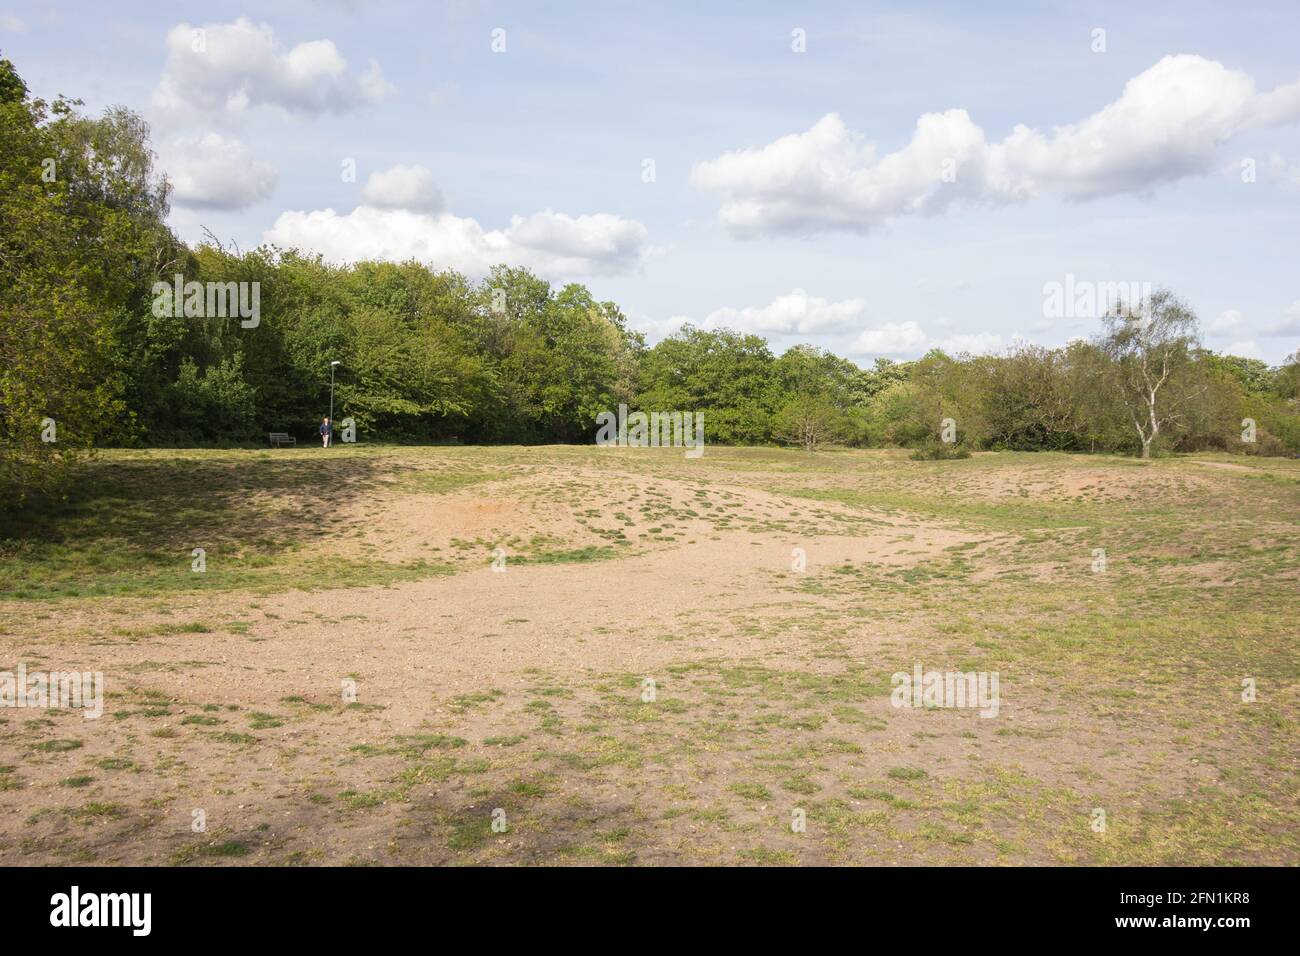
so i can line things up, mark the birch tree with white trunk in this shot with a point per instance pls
(1151, 349)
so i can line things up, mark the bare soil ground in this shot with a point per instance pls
(674, 661)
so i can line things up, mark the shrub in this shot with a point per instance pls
(939, 451)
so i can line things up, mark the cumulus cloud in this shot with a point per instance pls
(796, 313)
(656, 329)
(1290, 324)
(1167, 124)
(1226, 322)
(892, 338)
(232, 67)
(907, 339)
(550, 243)
(1245, 349)
(403, 187)
(981, 343)
(212, 172)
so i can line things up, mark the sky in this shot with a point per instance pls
(876, 179)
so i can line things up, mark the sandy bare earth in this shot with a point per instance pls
(392, 724)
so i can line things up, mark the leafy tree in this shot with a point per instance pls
(429, 355)
(811, 422)
(1026, 400)
(216, 404)
(1151, 351)
(79, 232)
(724, 373)
(1100, 419)
(868, 383)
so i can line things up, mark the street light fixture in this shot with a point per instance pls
(332, 364)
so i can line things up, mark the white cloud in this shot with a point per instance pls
(12, 24)
(892, 338)
(212, 172)
(796, 313)
(552, 244)
(1290, 324)
(1167, 124)
(656, 329)
(910, 340)
(372, 85)
(403, 187)
(232, 67)
(981, 343)
(1226, 322)
(1246, 349)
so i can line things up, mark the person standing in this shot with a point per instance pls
(326, 430)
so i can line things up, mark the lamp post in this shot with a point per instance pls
(332, 364)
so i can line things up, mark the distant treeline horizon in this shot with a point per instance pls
(91, 359)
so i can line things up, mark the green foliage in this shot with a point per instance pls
(80, 214)
(216, 404)
(429, 356)
(1152, 369)
(727, 375)
(811, 421)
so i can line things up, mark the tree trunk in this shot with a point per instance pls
(1155, 427)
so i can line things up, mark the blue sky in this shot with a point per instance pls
(836, 227)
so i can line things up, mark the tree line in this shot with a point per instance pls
(91, 355)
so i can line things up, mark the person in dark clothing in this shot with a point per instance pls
(326, 430)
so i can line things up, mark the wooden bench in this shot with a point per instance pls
(279, 439)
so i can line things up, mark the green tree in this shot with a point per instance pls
(727, 374)
(1151, 351)
(79, 233)
(811, 422)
